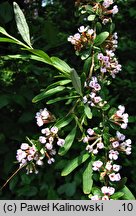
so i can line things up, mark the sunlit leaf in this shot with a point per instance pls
(64, 121)
(21, 23)
(61, 99)
(48, 93)
(101, 38)
(87, 179)
(73, 164)
(127, 194)
(76, 81)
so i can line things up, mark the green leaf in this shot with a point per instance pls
(88, 111)
(106, 138)
(14, 40)
(60, 83)
(64, 121)
(68, 142)
(21, 23)
(101, 38)
(117, 195)
(3, 31)
(73, 164)
(127, 194)
(106, 107)
(76, 81)
(96, 191)
(41, 54)
(23, 57)
(60, 65)
(91, 17)
(112, 111)
(48, 93)
(87, 65)
(7, 40)
(61, 99)
(87, 179)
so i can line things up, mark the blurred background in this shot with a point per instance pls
(51, 22)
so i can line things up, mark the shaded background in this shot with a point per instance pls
(21, 80)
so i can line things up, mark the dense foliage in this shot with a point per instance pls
(22, 79)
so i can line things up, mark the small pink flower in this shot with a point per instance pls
(90, 131)
(120, 136)
(115, 9)
(24, 146)
(51, 160)
(108, 166)
(115, 144)
(85, 139)
(105, 197)
(60, 142)
(82, 29)
(89, 148)
(113, 155)
(116, 168)
(42, 139)
(95, 151)
(97, 99)
(54, 130)
(97, 165)
(100, 145)
(49, 146)
(95, 197)
(114, 177)
(46, 131)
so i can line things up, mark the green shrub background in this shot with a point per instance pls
(21, 80)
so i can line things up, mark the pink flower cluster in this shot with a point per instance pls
(43, 117)
(120, 118)
(96, 145)
(109, 63)
(106, 192)
(119, 144)
(83, 38)
(93, 99)
(104, 10)
(27, 154)
(33, 155)
(48, 138)
(109, 168)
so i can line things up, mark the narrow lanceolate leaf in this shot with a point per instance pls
(60, 83)
(7, 40)
(21, 24)
(48, 93)
(127, 194)
(117, 195)
(73, 164)
(101, 38)
(76, 81)
(61, 99)
(87, 179)
(60, 65)
(41, 54)
(23, 57)
(64, 121)
(88, 111)
(68, 142)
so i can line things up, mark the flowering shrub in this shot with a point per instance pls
(96, 125)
